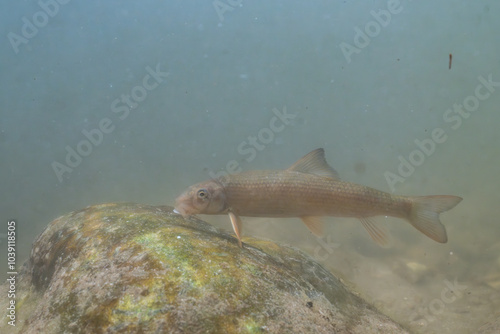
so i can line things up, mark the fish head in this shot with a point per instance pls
(206, 198)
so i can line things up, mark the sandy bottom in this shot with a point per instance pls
(426, 286)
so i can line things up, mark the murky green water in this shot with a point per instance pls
(134, 101)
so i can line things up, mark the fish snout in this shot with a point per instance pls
(182, 209)
(181, 206)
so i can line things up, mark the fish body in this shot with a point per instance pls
(311, 189)
(295, 194)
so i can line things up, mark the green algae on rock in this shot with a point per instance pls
(129, 268)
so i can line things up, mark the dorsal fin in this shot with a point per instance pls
(314, 163)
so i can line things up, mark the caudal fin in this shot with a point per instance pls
(424, 215)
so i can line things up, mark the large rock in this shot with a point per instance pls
(128, 268)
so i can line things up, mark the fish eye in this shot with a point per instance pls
(202, 193)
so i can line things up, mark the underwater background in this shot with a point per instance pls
(108, 101)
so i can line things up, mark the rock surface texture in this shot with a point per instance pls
(129, 268)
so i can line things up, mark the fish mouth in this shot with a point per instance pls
(182, 209)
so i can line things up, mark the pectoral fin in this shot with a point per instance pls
(376, 231)
(237, 226)
(314, 224)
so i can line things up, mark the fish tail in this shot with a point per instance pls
(424, 214)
